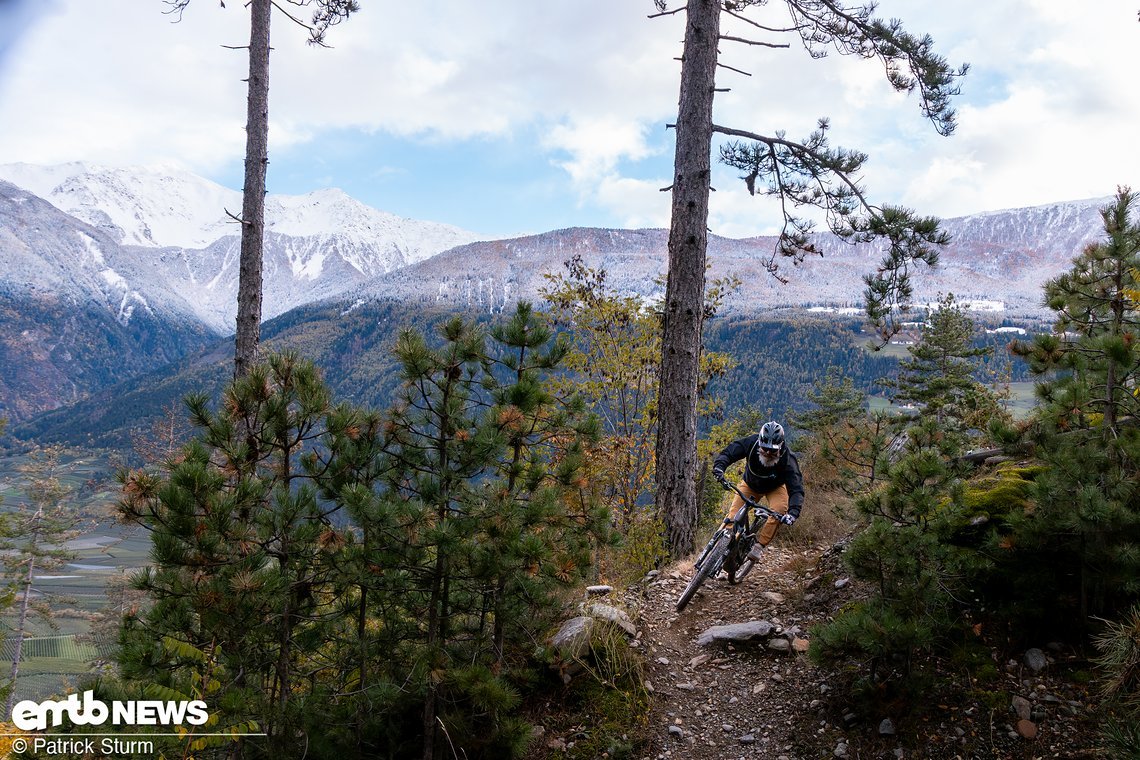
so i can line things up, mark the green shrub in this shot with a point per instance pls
(642, 549)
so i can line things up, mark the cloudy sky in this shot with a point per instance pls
(509, 117)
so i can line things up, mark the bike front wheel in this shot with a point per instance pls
(737, 573)
(711, 560)
(738, 564)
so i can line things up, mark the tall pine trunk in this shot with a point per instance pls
(21, 632)
(685, 288)
(436, 634)
(1111, 384)
(253, 195)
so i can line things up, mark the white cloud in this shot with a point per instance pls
(1047, 113)
(637, 203)
(596, 145)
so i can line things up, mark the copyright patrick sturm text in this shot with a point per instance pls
(106, 746)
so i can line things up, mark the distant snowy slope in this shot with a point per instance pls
(167, 207)
(178, 243)
(1002, 257)
(147, 206)
(73, 314)
(333, 216)
(50, 254)
(1067, 225)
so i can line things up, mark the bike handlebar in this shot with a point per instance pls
(748, 501)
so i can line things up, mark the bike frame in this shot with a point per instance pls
(743, 527)
(728, 546)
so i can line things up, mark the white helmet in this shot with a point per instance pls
(770, 443)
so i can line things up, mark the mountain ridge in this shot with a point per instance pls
(110, 253)
(1002, 257)
(139, 258)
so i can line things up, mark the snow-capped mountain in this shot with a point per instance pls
(138, 206)
(109, 273)
(1001, 258)
(169, 207)
(72, 317)
(177, 241)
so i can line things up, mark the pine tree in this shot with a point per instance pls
(372, 583)
(911, 548)
(544, 524)
(1087, 516)
(471, 514)
(1119, 665)
(491, 460)
(908, 551)
(939, 376)
(239, 541)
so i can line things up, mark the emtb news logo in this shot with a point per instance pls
(34, 716)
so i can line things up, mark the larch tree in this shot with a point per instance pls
(809, 173)
(326, 13)
(33, 542)
(613, 364)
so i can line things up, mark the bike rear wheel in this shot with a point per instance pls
(710, 561)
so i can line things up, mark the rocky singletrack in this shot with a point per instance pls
(762, 697)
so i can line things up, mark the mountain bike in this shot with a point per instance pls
(728, 548)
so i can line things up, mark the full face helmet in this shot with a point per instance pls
(770, 443)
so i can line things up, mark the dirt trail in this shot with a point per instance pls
(737, 700)
(724, 701)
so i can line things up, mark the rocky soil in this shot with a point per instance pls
(716, 697)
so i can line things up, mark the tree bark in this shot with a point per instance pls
(248, 333)
(21, 632)
(685, 287)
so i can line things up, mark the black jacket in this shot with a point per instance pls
(763, 479)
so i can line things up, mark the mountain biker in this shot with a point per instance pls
(770, 470)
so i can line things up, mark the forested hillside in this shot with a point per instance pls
(780, 359)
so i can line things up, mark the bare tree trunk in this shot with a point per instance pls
(684, 294)
(253, 200)
(21, 629)
(434, 639)
(1116, 306)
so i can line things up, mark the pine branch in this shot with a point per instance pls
(176, 7)
(663, 12)
(758, 25)
(730, 68)
(754, 42)
(910, 62)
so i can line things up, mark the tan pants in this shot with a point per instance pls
(777, 502)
